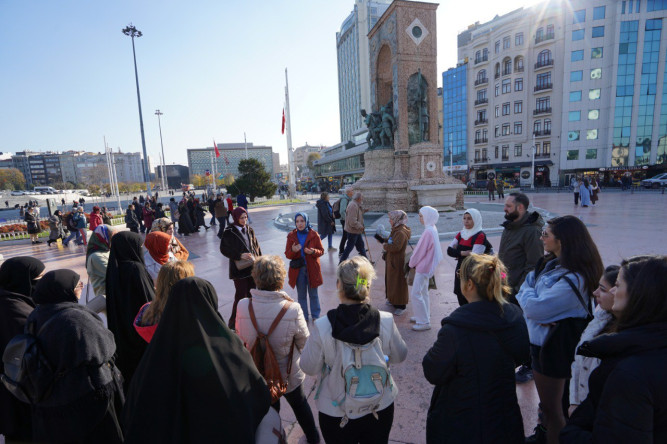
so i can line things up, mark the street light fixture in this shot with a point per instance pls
(133, 32)
(164, 162)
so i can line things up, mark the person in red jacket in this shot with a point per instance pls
(230, 206)
(304, 249)
(95, 218)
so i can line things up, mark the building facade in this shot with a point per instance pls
(91, 168)
(176, 175)
(353, 64)
(343, 164)
(201, 160)
(454, 104)
(301, 159)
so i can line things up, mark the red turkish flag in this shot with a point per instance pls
(283, 130)
(217, 153)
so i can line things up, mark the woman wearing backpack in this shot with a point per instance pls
(467, 241)
(86, 397)
(472, 362)
(286, 340)
(330, 347)
(556, 302)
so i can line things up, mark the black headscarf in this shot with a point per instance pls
(56, 286)
(128, 288)
(17, 279)
(196, 365)
(18, 274)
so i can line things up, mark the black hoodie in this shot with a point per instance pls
(355, 323)
(472, 367)
(627, 395)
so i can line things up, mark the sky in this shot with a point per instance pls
(215, 69)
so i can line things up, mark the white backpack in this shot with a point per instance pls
(366, 376)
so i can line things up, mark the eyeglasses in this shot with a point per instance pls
(545, 233)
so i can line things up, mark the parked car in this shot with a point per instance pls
(655, 182)
(18, 193)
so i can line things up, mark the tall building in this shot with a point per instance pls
(176, 175)
(91, 168)
(584, 82)
(231, 154)
(454, 103)
(301, 159)
(353, 65)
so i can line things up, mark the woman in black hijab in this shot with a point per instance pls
(200, 369)
(86, 397)
(129, 287)
(17, 280)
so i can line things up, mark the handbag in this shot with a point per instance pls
(410, 272)
(297, 263)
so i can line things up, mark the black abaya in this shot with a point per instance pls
(128, 288)
(196, 382)
(17, 278)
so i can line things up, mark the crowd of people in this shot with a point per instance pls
(594, 339)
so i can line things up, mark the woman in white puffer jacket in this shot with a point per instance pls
(288, 337)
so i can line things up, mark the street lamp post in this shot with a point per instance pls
(164, 166)
(532, 177)
(131, 31)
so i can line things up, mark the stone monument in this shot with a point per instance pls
(403, 166)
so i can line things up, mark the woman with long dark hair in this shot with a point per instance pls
(56, 228)
(556, 301)
(326, 224)
(628, 390)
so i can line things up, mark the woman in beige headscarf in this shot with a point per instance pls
(396, 286)
(165, 225)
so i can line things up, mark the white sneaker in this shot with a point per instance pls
(421, 327)
(413, 320)
(399, 311)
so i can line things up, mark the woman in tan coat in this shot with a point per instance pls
(396, 286)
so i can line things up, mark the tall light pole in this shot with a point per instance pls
(131, 31)
(164, 167)
(532, 178)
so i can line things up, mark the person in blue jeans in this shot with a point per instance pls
(78, 218)
(303, 249)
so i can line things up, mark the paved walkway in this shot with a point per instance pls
(621, 224)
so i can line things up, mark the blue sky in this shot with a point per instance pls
(214, 68)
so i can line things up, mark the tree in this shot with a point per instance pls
(11, 179)
(227, 181)
(312, 157)
(254, 180)
(198, 180)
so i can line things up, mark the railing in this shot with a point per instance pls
(483, 81)
(542, 111)
(544, 63)
(481, 59)
(481, 160)
(519, 69)
(542, 133)
(481, 101)
(505, 158)
(481, 121)
(544, 38)
(542, 155)
(543, 87)
(482, 140)
(507, 72)
(497, 75)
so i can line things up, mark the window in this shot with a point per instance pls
(550, 31)
(507, 86)
(495, 151)
(497, 90)
(518, 107)
(596, 73)
(596, 53)
(537, 126)
(623, 8)
(575, 96)
(478, 56)
(579, 16)
(577, 55)
(573, 136)
(576, 76)
(538, 149)
(518, 64)
(591, 154)
(578, 34)
(518, 127)
(497, 47)
(572, 154)
(543, 81)
(518, 39)
(506, 152)
(591, 134)
(476, 155)
(478, 135)
(497, 111)
(574, 116)
(481, 76)
(539, 35)
(543, 104)
(598, 31)
(598, 13)
(594, 94)
(506, 109)
(496, 133)
(497, 70)
(485, 54)
(547, 148)
(547, 126)
(507, 66)
(506, 129)
(484, 156)
(517, 150)
(506, 42)
(518, 84)
(594, 114)
(544, 58)
(481, 94)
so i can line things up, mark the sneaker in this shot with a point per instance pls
(421, 327)
(333, 249)
(539, 437)
(413, 320)
(399, 311)
(38, 242)
(523, 375)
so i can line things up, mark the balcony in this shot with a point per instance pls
(505, 158)
(481, 160)
(544, 64)
(481, 122)
(481, 60)
(481, 140)
(546, 132)
(497, 75)
(481, 102)
(544, 37)
(483, 81)
(545, 110)
(507, 72)
(519, 69)
(543, 87)
(542, 155)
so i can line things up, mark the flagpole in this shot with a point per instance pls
(290, 153)
(245, 142)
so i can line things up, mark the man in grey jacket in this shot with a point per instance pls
(520, 249)
(354, 226)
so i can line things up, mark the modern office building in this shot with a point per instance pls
(343, 163)
(201, 160)
(454, 121)
(353, 65)
(176, 175)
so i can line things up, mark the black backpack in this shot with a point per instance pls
(69, 221)
(336, 209)
(488, 248)
(28, 374)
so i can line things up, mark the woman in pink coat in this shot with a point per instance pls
(424, 260)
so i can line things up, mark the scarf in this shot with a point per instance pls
(158, 243)
(100, 240)
(57, 286)
(18, 274)
(305, 217)
(477, 224)
(236, 215)
(398, 217)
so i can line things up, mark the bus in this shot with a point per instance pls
(44, 190)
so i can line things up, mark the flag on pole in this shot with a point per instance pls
(283, 130)
(217, 153)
